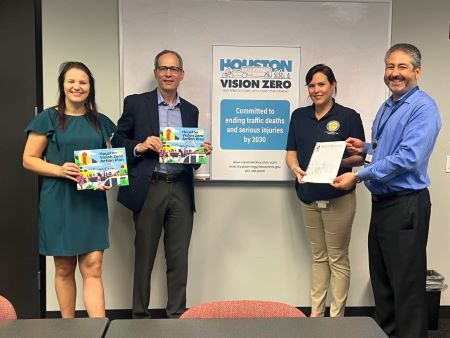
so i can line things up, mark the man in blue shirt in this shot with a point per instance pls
(404, 133)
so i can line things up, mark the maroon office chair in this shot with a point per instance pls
(242, 309)
(6, 309)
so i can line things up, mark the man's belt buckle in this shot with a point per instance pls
(168, 178)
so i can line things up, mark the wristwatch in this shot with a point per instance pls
(357, 178)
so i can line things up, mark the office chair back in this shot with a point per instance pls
(242, 309)
(6, 309)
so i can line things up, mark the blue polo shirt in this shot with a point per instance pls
(305, 130)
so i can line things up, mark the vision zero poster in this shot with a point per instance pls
(254, 91)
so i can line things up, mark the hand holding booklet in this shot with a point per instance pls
(183, 145)
(325, 162)
(99, 167)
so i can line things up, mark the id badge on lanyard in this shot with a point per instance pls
(380, 129)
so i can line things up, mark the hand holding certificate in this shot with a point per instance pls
(325, 162)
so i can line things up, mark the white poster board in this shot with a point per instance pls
(254, 89)
(349, 36)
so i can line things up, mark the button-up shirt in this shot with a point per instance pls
(169, 116)
(400, 159)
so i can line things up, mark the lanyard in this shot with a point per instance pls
(397, 104)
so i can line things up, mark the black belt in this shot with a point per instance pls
(391, 196)
(168, 178)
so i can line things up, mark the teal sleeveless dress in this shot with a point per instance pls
(71, 221)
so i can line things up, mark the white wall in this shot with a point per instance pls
(248, 239)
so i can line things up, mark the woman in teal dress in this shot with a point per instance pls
(73, 225)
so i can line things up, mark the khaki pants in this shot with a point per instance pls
(329, 231)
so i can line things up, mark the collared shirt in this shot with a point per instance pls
(169, 116)
(305, 130)
(400, 159)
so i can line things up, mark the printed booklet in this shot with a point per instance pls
(183, 145)
(101, 167)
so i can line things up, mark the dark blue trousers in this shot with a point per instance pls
(398, 237)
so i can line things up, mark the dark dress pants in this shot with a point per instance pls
(168, 206)
(398, 237)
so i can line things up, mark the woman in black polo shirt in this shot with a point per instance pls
(327, 212)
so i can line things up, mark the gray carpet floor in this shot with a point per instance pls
(443, 330)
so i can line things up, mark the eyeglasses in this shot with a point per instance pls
(165, 69)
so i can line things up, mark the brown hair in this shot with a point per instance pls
(89, 104)
(167, 51)
(325, 70)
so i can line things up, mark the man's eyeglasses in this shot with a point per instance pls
(165, 69)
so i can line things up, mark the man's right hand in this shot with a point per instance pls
(355, 146)
(345, 182)
(152, 143)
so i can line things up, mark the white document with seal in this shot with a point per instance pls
(325, 162)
